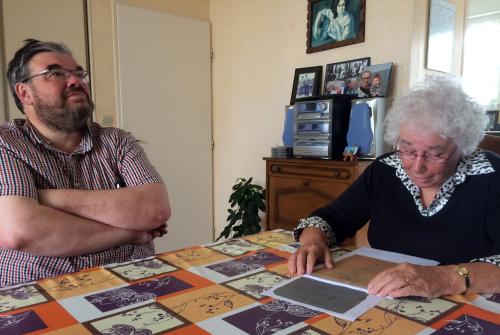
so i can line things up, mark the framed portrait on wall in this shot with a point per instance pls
(306, 83)
(334, 23)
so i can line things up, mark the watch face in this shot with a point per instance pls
(463, 271)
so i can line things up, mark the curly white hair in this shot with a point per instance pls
(439, 104)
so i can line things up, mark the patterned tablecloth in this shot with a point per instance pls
(215, 289)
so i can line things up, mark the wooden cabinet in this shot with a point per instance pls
(296, 187)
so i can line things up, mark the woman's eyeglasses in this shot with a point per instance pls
(411, 155)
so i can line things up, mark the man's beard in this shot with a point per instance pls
(64, 117)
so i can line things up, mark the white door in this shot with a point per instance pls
(165, 101)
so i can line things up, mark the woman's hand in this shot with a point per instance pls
(313, 247)
(415, 280)
(434, 281)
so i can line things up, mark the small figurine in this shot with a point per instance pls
(351, 153)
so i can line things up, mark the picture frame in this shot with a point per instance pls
(306, 83)
(492, 124)
(343, 77)
(329, 28)
(378, 80)
(441, 36)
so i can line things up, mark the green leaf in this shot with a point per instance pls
(246, 199)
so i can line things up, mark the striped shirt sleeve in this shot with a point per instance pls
(135, 167)
(15, 176)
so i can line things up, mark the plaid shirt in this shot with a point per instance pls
(28, 162)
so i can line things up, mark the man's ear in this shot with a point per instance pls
(23, 92)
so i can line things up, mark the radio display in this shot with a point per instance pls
(309, 127)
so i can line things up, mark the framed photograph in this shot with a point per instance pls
(441, 35)
(306, 83)
(334, 23)
(357, 65)
(492, 120)
(343, 77)
(335, 76)
(374, 80)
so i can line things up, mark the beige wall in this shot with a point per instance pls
(258, 44)
(102, 19)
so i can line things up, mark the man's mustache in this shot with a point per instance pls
(75, 89)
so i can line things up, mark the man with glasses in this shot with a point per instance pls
(364, 84)
(72, 194)
(437, 196)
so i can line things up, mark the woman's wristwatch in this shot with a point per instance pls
(464, 272)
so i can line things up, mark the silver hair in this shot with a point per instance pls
(438, 104)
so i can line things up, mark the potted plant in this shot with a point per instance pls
(247, 200)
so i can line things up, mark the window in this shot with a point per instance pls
(481, 67)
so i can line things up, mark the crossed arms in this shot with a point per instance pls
(68, 222)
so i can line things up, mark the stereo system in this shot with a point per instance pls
(320, 127)
(323, 126)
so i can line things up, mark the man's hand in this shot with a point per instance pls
(158, 232)
(313, 247)
(141, 237)
(413, 280)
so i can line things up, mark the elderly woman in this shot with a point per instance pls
(437, 196)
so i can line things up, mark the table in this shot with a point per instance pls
(215, 289)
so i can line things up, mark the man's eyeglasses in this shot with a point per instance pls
(60, 74)
(429, 158)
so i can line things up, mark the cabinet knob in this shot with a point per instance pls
(305, 183)
(336, 172)
(275, 168)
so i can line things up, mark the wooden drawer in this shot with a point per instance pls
(293, 198)
(296, 187)
(334, 172)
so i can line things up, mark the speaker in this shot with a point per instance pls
(366, 126)
(288, 127)
(360, 131)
